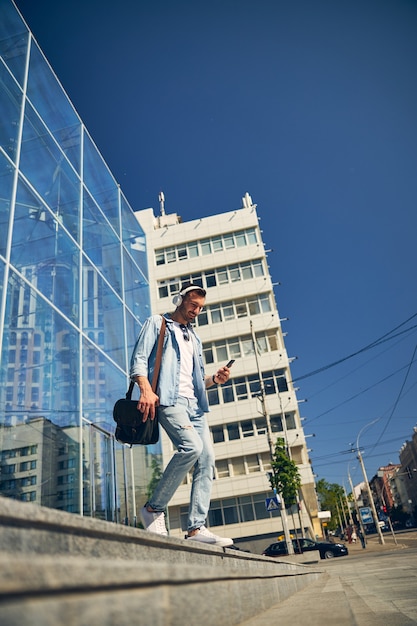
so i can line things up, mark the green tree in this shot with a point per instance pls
(285, 477)
(332, 498)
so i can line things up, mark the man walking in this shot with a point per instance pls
(182, 401)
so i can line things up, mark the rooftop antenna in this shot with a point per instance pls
(161, 202)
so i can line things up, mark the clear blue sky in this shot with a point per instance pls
(310, 106)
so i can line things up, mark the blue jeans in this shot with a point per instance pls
(186, 425)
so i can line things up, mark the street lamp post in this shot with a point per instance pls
(371, 500)
(368, 488)
(358, 515)
(384, 486)
(265, 413)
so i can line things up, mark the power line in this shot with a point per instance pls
(398, 398)
(387, 337)
(360, 392)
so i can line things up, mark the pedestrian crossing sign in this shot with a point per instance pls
(272, 504)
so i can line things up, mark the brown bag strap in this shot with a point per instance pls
(158, 355)
(157, 362)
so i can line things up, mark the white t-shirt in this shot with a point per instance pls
(186, 387)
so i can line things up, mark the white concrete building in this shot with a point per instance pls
(225, 254)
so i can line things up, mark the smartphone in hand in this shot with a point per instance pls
(230, 363)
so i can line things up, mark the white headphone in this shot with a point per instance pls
(176, 300)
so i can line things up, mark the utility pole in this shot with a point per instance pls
(284, 520)
(348, 506)
(371, 500)
(358, 514)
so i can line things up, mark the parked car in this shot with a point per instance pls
(327, 549)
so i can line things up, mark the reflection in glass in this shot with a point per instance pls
(76, 294)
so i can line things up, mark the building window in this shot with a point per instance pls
(222, 469)
(236, 309)
(236, 347)
(217, 434)
(202, 247)
(233, 431)
(210, 278)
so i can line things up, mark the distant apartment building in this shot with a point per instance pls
(407, 477)
(225, 254)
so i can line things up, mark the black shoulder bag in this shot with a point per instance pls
(130, 427)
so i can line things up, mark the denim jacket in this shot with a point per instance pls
(143, 361)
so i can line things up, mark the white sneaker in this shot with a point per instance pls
(154, 521)
(205, 536)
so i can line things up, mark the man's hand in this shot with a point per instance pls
(222, 375)
(148, 400)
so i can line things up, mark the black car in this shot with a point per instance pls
(327, 549)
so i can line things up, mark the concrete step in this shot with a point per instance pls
(58, 568)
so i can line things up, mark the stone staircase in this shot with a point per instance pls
(57, 569)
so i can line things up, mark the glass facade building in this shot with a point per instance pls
(74, 290)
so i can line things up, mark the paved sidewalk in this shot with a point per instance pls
(376, 586)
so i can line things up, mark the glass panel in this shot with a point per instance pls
(205, 246)
(247, 428)
(213, 396)
(229, 241)
(228, 392)
(6, 182)
(102, 311)
(222, 276)
(216, 315)
(234, 272)
(43, 251)
(246, 271)
(192, 250)
(276, 423)
(217, 244)
(261, 345)
(222, 469)
(290, 421)
(136, 289)
(100, 183)
(233, 432)
(218, 434)
(260, 508)
(46, 359)
(202, 318)
(234, 349)
(251, 236)
(253, 307)
(50, 101)
(240, 388)
(55, 181)
(240, 240)
(13, 40)
(261, 426)
(132, 235)
(228, 311)
(221, 351)
(170, 255)
(230, 511)
(132, 330)
(246, 510)
(10, 103)
(208, 354)
(258, 269)
(215, 515)
(182, 252)
(210, 279)
(265, 303)
(247, 346)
